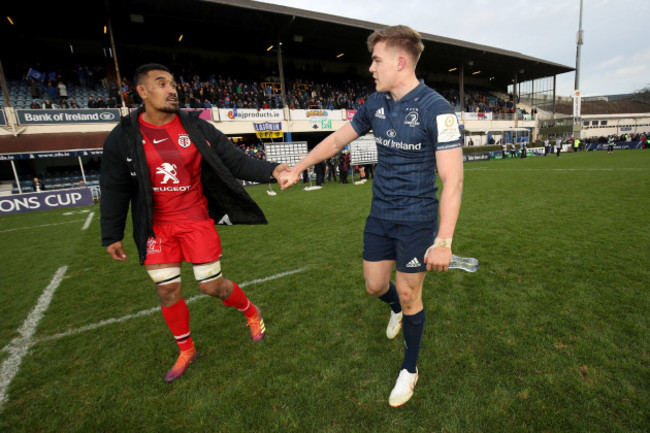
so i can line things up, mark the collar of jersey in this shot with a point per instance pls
(410, 95)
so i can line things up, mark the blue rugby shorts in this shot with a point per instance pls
(404, 242)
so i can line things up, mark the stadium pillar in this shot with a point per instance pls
(554, 89)
(3, 82)
(287, 137)
(514, 100)
(461, 91)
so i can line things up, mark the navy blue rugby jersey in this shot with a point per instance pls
(408, 132)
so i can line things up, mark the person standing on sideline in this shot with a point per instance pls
(610, 144)
(416, 132)
(179, 174)
(558, 145)
(547, 147)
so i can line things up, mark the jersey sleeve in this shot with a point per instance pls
(361, 122)
(445, 128)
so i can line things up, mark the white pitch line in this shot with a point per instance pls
(19, 346)
(151, 310)
(498, 169)
(42, 225)
(88, 220)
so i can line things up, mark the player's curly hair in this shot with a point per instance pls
(402, 37)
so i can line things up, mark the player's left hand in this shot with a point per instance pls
(437, 259)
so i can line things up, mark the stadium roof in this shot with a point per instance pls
(244, 27)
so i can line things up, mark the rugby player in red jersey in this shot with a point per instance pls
(180, 175)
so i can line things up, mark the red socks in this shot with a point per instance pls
(239, 300)
(178, 316)
(178, 320)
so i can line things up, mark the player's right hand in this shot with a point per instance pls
(288, 178)
(116, 251)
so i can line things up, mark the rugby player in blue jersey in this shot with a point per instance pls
(417, 133)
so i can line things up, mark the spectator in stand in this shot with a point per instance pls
(63, 103)
(35, 105)
(63, 90)
(52, 91)
(37, 185)
(82, 74)
(111, 102)
(101, 103)
(73, 103)
(34, 90)
(91, 102)
(47, 105)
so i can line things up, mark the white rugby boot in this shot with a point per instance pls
(404, 387)
(394, 324)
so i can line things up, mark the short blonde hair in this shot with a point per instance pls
(401, 37)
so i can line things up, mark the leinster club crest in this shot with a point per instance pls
(184, 141)
(412, 119)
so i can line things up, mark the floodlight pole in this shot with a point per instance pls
(117, 66)
(577, 122)
(281, 72)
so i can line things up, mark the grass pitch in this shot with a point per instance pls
(551, 334)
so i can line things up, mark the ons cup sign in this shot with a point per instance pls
(19, 203)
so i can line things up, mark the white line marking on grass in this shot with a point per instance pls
(153, 310)
(42, 225)
(496, 169)
(88, 220)
(19, 346)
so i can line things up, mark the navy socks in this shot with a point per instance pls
(392, 298)
(413, 328)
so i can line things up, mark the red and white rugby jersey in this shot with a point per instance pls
(175, 171)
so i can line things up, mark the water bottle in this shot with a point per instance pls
(469, 264)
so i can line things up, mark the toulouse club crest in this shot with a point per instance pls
(184, 141)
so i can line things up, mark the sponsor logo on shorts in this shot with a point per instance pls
(414, 263)
(154, 245)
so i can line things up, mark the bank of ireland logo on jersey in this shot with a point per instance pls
(447, 128)
(184, 141)
(169, 171)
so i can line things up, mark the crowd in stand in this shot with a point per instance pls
(226, 92)
(253, 150)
